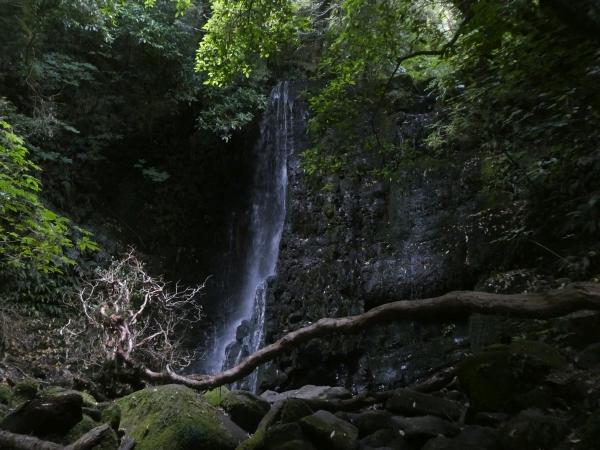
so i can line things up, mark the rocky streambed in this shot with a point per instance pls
(526, 394)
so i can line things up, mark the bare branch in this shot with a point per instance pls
(130, 314)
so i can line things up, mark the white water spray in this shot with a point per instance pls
(244, 333)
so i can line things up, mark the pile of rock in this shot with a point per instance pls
(520, 396)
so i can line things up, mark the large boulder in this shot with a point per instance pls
(24, 390)
(329, 431)
(45, 415)
(286, 436)
(245, 409)
(589, 358)
(471, 438)
(88, 399)
(294, 409)
(590, 433)
(309, 392)
(413, 403)
(533, 429)
(109, 441)
(4, 410)
(497, 379)
(175, 417)
(424, 427)
(368, 422)
(6, 394)
(384, 439)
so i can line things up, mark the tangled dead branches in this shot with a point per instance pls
(129, 314)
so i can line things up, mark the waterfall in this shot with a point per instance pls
(243, 335)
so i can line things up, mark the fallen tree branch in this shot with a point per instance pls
(23, 442)
(554, 303)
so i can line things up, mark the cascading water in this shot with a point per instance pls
(244, 334)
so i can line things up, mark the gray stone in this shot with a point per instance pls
(533, 429)
(384, 438)
(174, 417)
(245, 409)
(368, 422)
(296, 445)
(471, 438)
(294, 409)
(589, 358)
(308, 392)
(425, 426)
(279, 435)
(4, 410)
(328, 431)
(491, 419)
(413, 403)
(45, 415)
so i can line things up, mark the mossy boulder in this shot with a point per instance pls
(281, 435)
(412, 403)
(589, 358)
(111, 414)
(494, 379)
(533, 429)
(590, 433)
(6, 394)
(294, 409)
(4, 410)
(110, 441)
(175, 417)
(328, 431)
(216, 396)
(45, 415)
(80, 428)
(245, 409)
(24, 390)
(88, 399)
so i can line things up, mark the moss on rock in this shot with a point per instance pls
(4, 410)
(245, 409)
(254, 442)
(175, 417)
(216, 396)
(111, 415)
(494, 379)
(88, 399)
(6, 394)
(24, 390)
(83, 426)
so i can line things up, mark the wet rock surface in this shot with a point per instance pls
(329, 431)
(245, 409)
(351, 243)
(45, 415)
(549, 402)
(176, 417)
(411, 403)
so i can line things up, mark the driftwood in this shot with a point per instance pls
(23, 442)
(554, 303)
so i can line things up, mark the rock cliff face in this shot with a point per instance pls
(357, 243)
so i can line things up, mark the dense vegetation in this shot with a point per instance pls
(515, 84)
